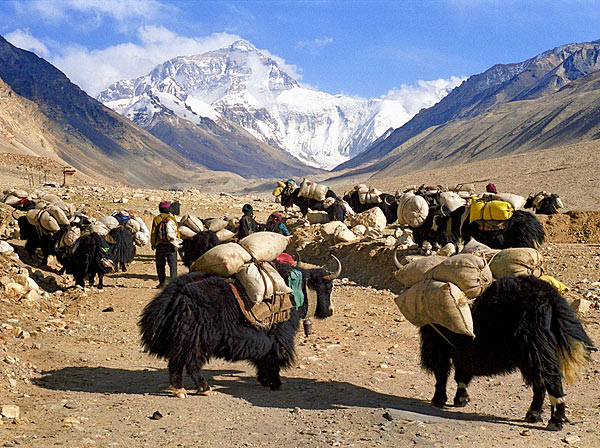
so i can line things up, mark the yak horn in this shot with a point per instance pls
(385, 199)
(396, 261)
(338, 271)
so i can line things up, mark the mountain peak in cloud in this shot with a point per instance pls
(250, 88)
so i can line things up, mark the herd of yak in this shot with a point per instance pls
(521, 323)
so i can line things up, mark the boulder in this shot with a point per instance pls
(317, 217)
(5, 248)
(10, 411)
(581, 306)
(331, 227)
(14, 289)
(359, 230)
(373, 217)
(344, 235)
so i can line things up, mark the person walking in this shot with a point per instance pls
(164, 239)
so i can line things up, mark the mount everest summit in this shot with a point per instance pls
(239, 86)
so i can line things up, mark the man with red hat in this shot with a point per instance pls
(164, 238)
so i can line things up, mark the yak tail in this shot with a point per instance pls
(573, 343)
(167, 323)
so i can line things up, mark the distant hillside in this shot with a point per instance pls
(534, 78)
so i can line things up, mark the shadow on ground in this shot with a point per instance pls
(304, 393)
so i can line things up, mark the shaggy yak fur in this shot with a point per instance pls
(388, 205)
(123, 248)
(194, 248)
(440, 227)
(520, 323)
(91, 257)
(547, 206)
(36, 239)
(196, 318)
(291, 198)
(522, 230)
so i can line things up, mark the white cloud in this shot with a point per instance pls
(120, 10)
(423, 93)
(94, 70)
(23, 39)
(315, 44)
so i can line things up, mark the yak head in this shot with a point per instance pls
(321, 280)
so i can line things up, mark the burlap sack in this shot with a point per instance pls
(451, 200)
(186, 232)
(133, 225)
(517, 202)
(50, 198)
(47, 222)
(265, 246)
(109, 221)
(412, 210)
(66, 207)
(431, 302)
(312, 190)
(414, 272)
(224, 260)
(19, 193)
(261, 281)
(225, 235)
(70, 237)
(216, 224)
(468, 188)
(11, 199)
(192, 223)
(58, 214)
(517, 261)
(33, 217)
(99, 228)
(469, 272)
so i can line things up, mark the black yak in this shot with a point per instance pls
(388, 205)
(440, 227)
(193, 248)
(197, 317)
(549, 205)
(122, 247)
(91, 257)
(35, 239)
(520, 323)
(521, 230)
(290, 197)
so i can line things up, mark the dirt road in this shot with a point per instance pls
(81, 379)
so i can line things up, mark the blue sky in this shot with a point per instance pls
(356, 47)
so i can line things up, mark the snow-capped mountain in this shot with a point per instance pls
(241, 84)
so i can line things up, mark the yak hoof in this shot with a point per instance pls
(462, 401)
(438, 403)
(205, 391)
(554, 425)
(533, 417)
(179, 393)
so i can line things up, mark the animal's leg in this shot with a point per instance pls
(194, 369)
(123, 267)
(534, 414)
(462, 380)
(441, 373)
(100, 278)
(92, 278)
(268, 372)
(558, 415)
(176, 379)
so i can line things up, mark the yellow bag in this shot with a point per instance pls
(277, 191)
(562, 288)
(490, 210)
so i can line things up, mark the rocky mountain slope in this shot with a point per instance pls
(242, 85)
(532, 79)
(43, 113)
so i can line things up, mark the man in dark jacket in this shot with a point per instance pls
(164, 238)
(247, 223)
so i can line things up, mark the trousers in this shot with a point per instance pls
(166, 253)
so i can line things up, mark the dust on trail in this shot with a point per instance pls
(81, 379)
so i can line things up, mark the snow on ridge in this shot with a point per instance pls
(247, 87)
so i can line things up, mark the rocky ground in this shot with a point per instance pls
(70, 359)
